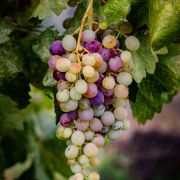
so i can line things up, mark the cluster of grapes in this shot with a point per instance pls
(92, 82)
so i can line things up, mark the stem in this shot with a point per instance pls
(90, 15)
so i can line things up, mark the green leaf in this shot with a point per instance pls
(10, 117)
(144, 59)
(41, 46)
(115, 10)
(157, 89)
(46, 7)
(5, 31)
(164, 22)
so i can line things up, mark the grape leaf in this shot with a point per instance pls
(5, 30)
(41, 46)
(144, 59)
(115, 10)
(157, 89)
(45, 8)
(10, 116)
(164, 22)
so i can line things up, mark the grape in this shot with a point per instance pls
(69, 43)
(103, 68)
(98, 110)
(126, 56)
(98, 140)
(117, 125)
(96, 125)
(70, 76)
(98, 60)
(109, 41)
(76, 168)
(124, 78)
(88, 60)
(88, 71)
(100, 79)
(93, 46)
(98, 99)
(73, 115)
(81, 86)
(86, 114)
(75, 68)
(120, 113)
(94, 161)
(105, 129)
(72, 57)
(82, 125)
(89, 135)
(90, 150)
(65, 120)
(107, 92)
(94, 78)
(58, 75)
(107, 118)
(119, 102)
(69, 105)
(91, 91)
(83, 44)
(78, 176)
(63, 64)
(113, 135)
(78, 138)
(88, 35)
(56, 48)
(74, 94)
(126, 124)
(71, 161)
(67, 132)
(113, 53)
(84, 160)
(84, 103)
(52, 62)
(93, 176)
(109, 100)
(126, 27)
(121, 91)
(59, 132)
(63, 85)
(71, 152)
(105, 53)
(128, 67)
(108, 82)
(62, 95)
(115, 64)
(132, 43)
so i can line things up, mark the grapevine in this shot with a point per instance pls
(92, 92)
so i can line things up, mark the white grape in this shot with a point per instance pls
(69, 105)
(70, 76)
(121, 91)
(67, 132)
(88, 60)
(78, 138)
(78, 176)
(113, 135)
(63, 85)
(84, 160)
(72, 57)
(69, 43)
(93, 176)
(81, 86)
(74, 94)
(126, 124)
(88, 35)
(124, 78)
(109, 41)
(120, 102)
(108, 82)
(75, 68)
(132, 43)
(71, 152)
(90, 150)
(102, 68)
(63, 64)
(63, 95)
(88, 71)
(89, 135)
(120, 113)
(94, 161)
(126, 56)
(76, 168)
(59, 132)
(84, 103)
(107, 118)
(117, 125)
(98, 110)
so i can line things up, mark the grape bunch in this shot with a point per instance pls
(92, 92)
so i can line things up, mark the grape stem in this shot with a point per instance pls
(87, 13)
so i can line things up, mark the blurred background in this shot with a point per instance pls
(144, 152)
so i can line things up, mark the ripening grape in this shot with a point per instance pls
(119, 102)
(74, 94)
(82, 125)
(69, 43)
(94, 161)
(63, 64)
(62, 95)
(88, 60)
(107, 92)
(117, 125)
(56, 48)
(78, 176)
(109, 41)
(92, 90)
(98, 110)
(52, 62)
(89, 135)
(98, 99)
(93, 176)
(132, 43)
(93, 46)
(84, 103)
(73, 115)
(90, 150)
(105, 129)
(65, 120)
(76, 168)
(78, 138)
(126, 56)
(98, 60)
(96, 125)
(73, 58)
(100, 79)
(98, 140)
(120, 113)
(75, 68)
(71, 161)
(86, 114)
(69, 105)
(63, 85)
(109, 100)
(94, 78)
(113, 135)
(106, 54)
(108, 82)
(107, 118)
(124, 78)
(59, 132)
(121, 91)
(115, 64)
(70, 76)
(88, 35)
(88, 71)
(81, 86)
(67, 133)
(71, 151)
(58, 75)
(83, 159)
(103, 68)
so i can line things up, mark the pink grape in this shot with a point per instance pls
(65, 120)
(93, 46)
(82, 125)
(91, 91)
(115, 64)
(107, 92)
(107, 118)
(98, 140)
(56, 48)
(98, 99)
(86, 114)
(105, 53)
(88, 35)
(52, 62)
(96, 125)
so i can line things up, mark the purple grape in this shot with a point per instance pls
(105, 53)
(52, 62)
(115, 64)
(56, 48)
(73, 115)
(93, 46)
(107, 92)
(59, 75)
(99, 81)
(108, 100)
(113, 53)
(98, 99)
(65, 120)
(83, 44)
